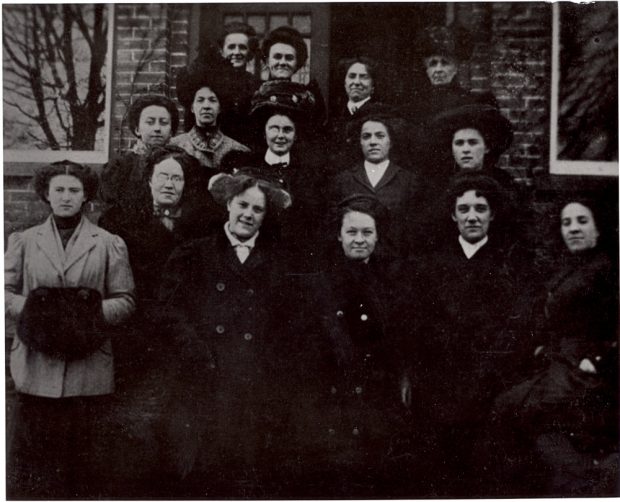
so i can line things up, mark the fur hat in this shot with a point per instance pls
(223, 187)
(453, 41)
(289, 36)
(282, 96)
(492, 125)
(64, 323)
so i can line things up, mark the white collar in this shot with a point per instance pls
(356, 104)
(376, 168)
(471, 249)
(250, 243)
(271, 158)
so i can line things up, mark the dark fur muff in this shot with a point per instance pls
(64, 323)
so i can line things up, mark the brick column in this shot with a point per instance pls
(152, 41)
(521, 79)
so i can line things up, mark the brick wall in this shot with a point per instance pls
(152, 43)
(512, 59)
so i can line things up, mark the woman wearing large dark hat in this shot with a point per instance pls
(236, 47)
(153, 119)
(285, 153)
(378, 133)
(67, 282)
(475, 134)
(200, 89)
(226, 288)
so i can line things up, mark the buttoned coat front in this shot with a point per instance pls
(398, 190)
(226, 311)
(93, 258)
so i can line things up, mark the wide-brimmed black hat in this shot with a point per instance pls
(224, 187)
(453, 41)
(487, 119)
(217, 76)
(282, 96)
(289, 36)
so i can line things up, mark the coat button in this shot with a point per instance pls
(356, 431)
(219, 329)
(250, 291)
(248, 336)
(220, 286)
(358, 390)
(364, 317)
(340, 313)
(333, 390)
(331, 432)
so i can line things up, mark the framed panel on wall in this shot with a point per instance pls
(584, 89)
(56, 75)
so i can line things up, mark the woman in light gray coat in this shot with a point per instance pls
(65, 281)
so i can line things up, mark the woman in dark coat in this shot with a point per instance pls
(173, 211)
(172, 206)
(472, 138)
(360, 76)
(378, 131)
(285, 155)
(347, 415)
(224, 289)
(564, 417)
(153, 119)
(465, 349)
(67, 282)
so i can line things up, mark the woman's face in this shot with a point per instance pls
(167, 183)
(236, 49)
(473, 216)
(206, 107)
(282, 61)
(358, 82)
(358, 235)
(280, 134)
(440, 70)
(375, 141)
(154, 126)
(578, 227)
(469, 149)
(246, 212)
(66, 195)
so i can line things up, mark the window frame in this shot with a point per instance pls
(560, 166)
(25, 162)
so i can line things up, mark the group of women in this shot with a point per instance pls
(325, 316)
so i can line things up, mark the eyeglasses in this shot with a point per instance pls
(163, 178)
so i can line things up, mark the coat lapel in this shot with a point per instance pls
(82, 241)
(390, 172)
(49, 243)
(359, 174)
